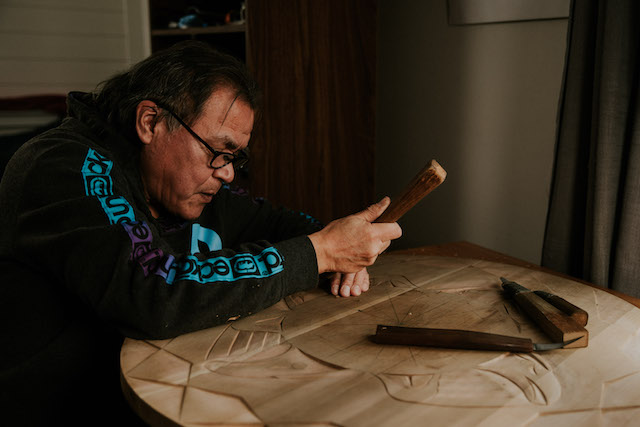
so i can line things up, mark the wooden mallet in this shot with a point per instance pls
(422, 184)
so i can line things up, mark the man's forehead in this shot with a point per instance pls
(227, 118)
(223, 96)
(221, 102)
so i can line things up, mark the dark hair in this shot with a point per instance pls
(182, 77)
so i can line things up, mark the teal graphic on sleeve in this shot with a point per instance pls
(97, 182)
(220, 268)
(204, 235)
(197, 266)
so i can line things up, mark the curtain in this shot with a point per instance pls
(593, 222)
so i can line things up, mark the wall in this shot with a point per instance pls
(482, 101)
(54, 46)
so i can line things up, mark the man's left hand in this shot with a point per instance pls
(349, 284)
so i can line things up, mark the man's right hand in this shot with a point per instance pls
(349, 244)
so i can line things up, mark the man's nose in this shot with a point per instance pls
(225, 173)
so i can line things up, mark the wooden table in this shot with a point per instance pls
(309, 360)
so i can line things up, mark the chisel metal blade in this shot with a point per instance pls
(552, 346)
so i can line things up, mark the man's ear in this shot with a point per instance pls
(146, 119)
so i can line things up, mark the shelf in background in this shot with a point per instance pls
(220, 29)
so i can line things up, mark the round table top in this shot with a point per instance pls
(309, 359)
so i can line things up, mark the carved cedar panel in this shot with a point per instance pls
(308, 360)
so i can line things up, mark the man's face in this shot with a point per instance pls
(175, 165)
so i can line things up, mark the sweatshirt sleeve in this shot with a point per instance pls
(76, 224)
(257, 219)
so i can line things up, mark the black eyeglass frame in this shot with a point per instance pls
(238, 161)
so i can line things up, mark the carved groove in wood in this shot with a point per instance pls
(308, 360)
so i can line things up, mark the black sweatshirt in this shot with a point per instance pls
(83, 263)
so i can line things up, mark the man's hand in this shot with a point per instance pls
(349, 284)
(350, 244)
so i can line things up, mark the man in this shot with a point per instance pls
(120, 223)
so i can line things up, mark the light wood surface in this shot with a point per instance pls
(465, 249)
(310, 359)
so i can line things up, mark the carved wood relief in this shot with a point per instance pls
(308, 360)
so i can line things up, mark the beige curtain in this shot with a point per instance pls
(593, 224)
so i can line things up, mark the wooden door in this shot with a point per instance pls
(313, 149)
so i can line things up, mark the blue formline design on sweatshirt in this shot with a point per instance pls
(96, 171)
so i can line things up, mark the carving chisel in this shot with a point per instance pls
(454, 338)
(558, 325)
(576, 313)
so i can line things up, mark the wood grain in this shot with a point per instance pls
(464, 249)
(580, 316)
(425, 181)
(557, 325)
(450, 338)
(309, 360)
(313, 150)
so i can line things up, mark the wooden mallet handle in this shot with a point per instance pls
(422, 184)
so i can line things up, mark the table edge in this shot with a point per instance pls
(464, 249)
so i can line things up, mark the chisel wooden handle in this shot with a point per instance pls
(450, 338)
(556, 324)
(422, 184)
(576, 313)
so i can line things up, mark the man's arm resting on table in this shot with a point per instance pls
(349, 245)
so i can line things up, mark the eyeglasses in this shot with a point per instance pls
(219, 159)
